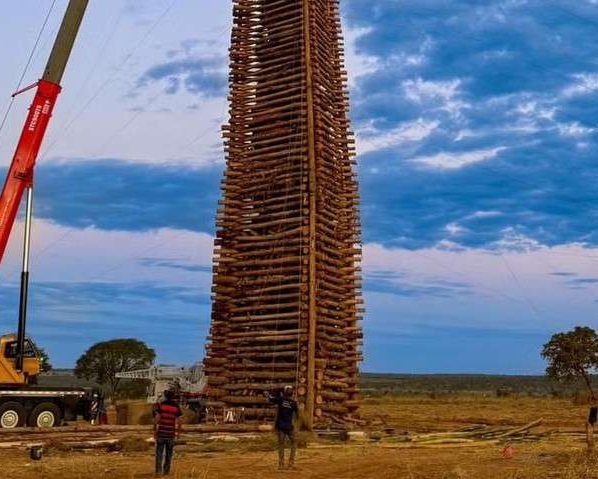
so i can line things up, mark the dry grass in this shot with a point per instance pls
(422, 414)
(350, 461)
(133, 444)
(581, 466)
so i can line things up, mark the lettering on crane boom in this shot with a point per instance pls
(39, 110)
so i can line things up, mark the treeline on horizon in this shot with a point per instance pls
(375, 383)
(393, 383)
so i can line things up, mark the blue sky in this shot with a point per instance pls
(476, 132)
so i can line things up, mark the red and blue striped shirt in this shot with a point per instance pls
(168, 412)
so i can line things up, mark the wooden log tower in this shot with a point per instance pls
(286, 288)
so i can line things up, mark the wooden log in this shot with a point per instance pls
(264, 355)
(267, 348)
(245, 374)
(261, 339)
(335, 395)
(257, 386)
(251, 365)
(262, 333)
(244, 400)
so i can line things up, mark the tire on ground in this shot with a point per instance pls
(46, 414)
(12, 414)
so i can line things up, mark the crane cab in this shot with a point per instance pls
(8, 355)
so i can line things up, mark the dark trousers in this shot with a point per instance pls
(164, 452)
(282, 438)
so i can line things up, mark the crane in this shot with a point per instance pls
(20, 400)
(186, 381)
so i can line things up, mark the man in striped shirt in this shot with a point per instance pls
(167, 428)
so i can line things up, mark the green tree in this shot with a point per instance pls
(572, 355)
(44, 360)
(103, 360)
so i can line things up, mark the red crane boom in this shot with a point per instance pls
(20, 173)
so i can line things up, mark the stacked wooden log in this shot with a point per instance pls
(91, 437)
(480, 435)
(286, 290)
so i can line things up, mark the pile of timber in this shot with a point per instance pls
(88, 429)
(83, 437)
(286, 287)
(477, 436)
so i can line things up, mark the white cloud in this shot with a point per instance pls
(533, 110)
(511, 240)
(417, 90)
(445, 92)
(454, 229)
(583, 84)
(484, 214)
(453, 161)
(539, 115)
(497, 54)
(574, 129)
(371, 139)
(531, 116)
(406, 59)
(466, 133)
(357, 64)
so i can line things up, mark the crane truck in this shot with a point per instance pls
(22, 401)
(188, 383)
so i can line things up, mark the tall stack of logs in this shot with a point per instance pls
(286, 289)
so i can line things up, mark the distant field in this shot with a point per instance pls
(453, 383)
(374, 383)
(452, 411)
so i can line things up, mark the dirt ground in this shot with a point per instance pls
(561, 457)
(348, 461)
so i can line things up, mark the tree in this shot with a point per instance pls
(44, 360)
(572, 355)
(103, 360)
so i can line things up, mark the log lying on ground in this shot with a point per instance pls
(479, 435)
(113, 438)
(188, 428)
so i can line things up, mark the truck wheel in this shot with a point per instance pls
(12, 414)
(45, 414)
